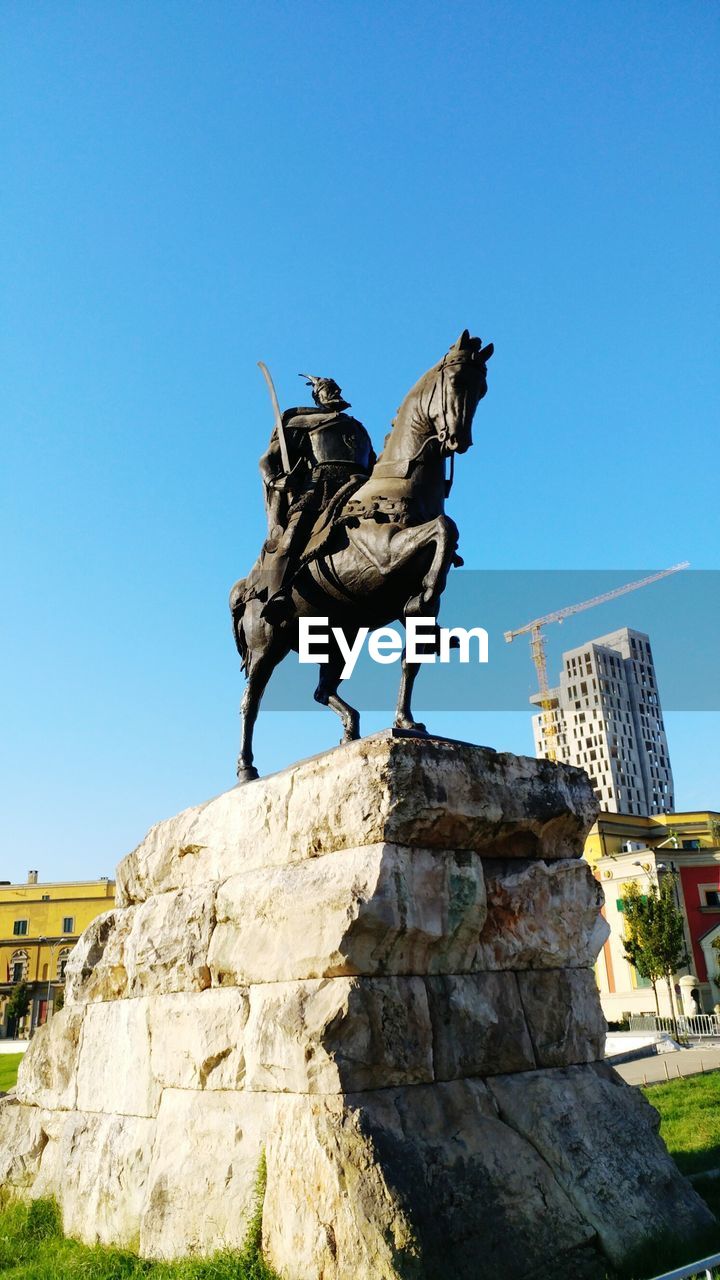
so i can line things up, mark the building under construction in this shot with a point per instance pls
(605, 716)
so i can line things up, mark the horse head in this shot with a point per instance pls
(460, 382)
(441, 405)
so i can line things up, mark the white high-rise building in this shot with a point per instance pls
(607, 719)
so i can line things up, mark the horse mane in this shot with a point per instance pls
(413, 395)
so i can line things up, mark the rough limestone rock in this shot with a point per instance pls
(338, 1034)
(49, 1075)
(376, 968)
(97, 1166)
(612, 1182)
(23, 1139)
(95, 969)
(202, 1188)
(441, 1186)
(158, 946)
(197, 1041)
(446, 795)
(479, 1025)
(563, 1014)
(540, 915)
(378, 910)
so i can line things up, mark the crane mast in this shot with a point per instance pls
(538, 652)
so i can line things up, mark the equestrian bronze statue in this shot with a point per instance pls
(360, 541)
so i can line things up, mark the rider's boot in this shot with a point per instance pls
(281, 563)
(278, 603)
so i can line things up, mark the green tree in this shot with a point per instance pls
(642, 962)
(655, 934)
(19, 1003)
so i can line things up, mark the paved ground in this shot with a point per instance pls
(664, 1066)
(13, 1046)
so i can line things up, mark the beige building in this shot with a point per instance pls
(623, 848)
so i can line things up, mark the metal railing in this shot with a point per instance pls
(703, 1267)
(703, 1026)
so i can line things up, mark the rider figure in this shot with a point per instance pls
(327, 450)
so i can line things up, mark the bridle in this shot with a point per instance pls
(441, 432)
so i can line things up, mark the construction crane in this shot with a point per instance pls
(537, 644)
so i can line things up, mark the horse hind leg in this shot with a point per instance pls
(327, 695)
(403, 713)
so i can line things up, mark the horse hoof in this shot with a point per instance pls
(411, 726)
(246, 773)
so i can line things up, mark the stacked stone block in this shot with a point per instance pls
(376, 968)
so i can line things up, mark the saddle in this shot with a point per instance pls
(255, 588)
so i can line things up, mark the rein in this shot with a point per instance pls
(442, 435)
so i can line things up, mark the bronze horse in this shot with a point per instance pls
(389, 549)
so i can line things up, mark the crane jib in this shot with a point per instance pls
(559, 614)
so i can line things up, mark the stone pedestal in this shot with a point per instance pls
(375, 967)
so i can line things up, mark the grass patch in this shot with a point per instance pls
(690, 1127)
(668, 1252)
(9, 1063)
(32, 1247)
(690, 1120)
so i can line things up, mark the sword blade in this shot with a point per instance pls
(278, 416)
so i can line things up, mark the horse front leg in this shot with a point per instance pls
(254, 689)
(267, 648)
(442, 535)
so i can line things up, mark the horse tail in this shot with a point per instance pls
(237, 609)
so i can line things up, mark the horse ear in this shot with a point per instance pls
(463, 341)
(486, 352)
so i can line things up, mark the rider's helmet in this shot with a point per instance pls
(325, 392)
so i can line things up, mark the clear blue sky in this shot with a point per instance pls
(188, 188)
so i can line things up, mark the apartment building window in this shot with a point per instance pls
(68, 924)
(20, 928)
(63, 958)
